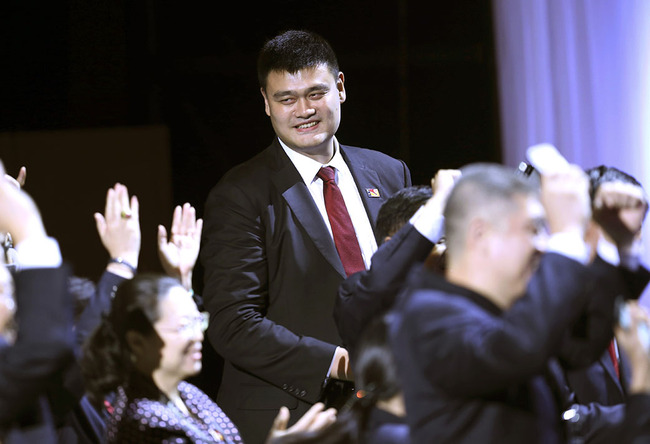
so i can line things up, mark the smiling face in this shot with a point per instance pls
(305, 109)
(174, 351)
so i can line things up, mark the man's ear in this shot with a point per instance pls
(267, 109)
(476, 231)
(340, 86)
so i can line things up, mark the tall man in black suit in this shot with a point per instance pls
(477, 349)
(272, 268)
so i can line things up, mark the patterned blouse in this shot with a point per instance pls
(143, 420)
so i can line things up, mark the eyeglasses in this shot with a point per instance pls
(190, 325)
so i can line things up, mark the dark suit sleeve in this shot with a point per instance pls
(636, 426)
(236, 294)
(367, 294)
(592, 331)
(44, 344)
(99, 304)
(484, 353)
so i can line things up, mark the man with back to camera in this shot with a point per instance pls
(275, 247)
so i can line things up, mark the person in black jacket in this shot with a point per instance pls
(43, 346)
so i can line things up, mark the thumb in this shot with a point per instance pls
(162, 236)
(100, 223)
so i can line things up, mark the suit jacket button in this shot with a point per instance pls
(303, 393)
(284, 386)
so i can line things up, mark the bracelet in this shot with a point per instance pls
(119, 260)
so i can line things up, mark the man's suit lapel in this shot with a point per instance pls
(368, 181)
(607, 363)
(295, 193)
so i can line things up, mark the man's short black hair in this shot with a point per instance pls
(399, 208)
(602, 174)
(294, 50)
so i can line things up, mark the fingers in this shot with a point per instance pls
(135, 208)
(22, 176)
(323, 419)
(199, 228)
(565, 196)
(188, 218)
(184, 222)
(162, 236)
(619, 195)
(281, 420)
(306, 421)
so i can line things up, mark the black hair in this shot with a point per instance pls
(602, 174)
(399, 208)
(106, 360)
(292, 51)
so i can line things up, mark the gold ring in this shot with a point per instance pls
(125, 214)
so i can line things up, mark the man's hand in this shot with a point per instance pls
(565, 196)
(313, 420)
(119, 228)
(179, 253)
(441, 185)
(620, 208)
(637, 354)
(19, 215)
(19, 181)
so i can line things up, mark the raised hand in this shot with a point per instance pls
(119, 229)
(19, 215)
(620, 208)
(19, 181)
(565, 196)
(178, 253)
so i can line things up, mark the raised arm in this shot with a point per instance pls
(44, 343)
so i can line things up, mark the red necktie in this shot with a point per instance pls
(345, 238)
(612, 354)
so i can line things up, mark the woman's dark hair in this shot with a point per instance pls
(294, 50)
(106, 360)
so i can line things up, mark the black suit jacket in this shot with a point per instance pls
(600, 393)
(35, 363)
(368, 294)
(473, 373)
(271, 277)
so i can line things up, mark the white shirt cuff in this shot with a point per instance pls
(569, 244)
(42, 252)
(428, 223)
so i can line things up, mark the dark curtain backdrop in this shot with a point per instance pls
(420, 78)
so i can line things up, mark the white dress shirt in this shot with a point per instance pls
(308, 168)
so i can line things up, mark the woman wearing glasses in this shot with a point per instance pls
(143, 350)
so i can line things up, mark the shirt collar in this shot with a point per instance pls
(308, 167)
